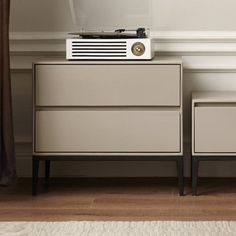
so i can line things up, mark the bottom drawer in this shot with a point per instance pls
(215, 129)
(107, 131)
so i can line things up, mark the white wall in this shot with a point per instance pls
(43, 15)
(54, 15)
(202, 31)
(194, 15)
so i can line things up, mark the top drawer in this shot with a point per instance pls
(107, 85)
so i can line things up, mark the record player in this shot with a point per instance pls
(102, 35)
(118, 45)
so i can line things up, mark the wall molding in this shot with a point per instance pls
(166, 41)
(202, 51)
(195, 36)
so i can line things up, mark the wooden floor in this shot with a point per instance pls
(118, 199)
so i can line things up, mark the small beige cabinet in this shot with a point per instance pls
(120, 109)
(213, 129)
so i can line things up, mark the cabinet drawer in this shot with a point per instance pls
(107, 85)
(215, 129)
(77, 131)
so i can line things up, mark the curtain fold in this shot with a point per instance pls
(7, 150)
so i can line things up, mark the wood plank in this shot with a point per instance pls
(118, 199)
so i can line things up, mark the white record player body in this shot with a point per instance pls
(109, 49)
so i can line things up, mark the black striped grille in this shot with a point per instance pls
(98, 49)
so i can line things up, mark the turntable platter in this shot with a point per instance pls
(117, 34)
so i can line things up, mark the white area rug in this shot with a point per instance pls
(118, 228)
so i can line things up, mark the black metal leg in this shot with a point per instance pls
(180, 169)
(47, 169)
(35, 173)
(194, 167)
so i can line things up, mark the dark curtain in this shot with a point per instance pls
(7, 158)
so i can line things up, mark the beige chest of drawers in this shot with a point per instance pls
(108, 109)
(214, 123)
(213, 129)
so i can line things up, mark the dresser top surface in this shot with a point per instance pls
(214, 96)
(155, 60)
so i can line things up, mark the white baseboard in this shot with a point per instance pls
(92, 169)
(118, 169)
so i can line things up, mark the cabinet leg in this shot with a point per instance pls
(180, 169)
(47, 169)
(194, 172)
(35, 173)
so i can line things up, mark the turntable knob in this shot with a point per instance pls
(138, 49)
